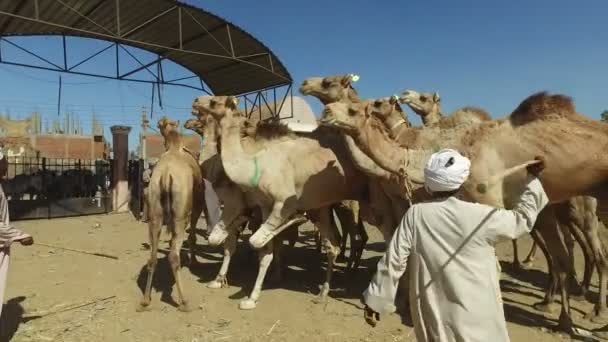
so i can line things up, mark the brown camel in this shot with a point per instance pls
(492, 151)
(295, 174)
(175, 196)
(428, 107)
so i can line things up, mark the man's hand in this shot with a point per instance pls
(536, 169)
(371, 317)
(28, 241)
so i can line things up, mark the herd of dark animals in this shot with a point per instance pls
(51, 184)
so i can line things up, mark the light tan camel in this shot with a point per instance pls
(428, 107)
(238, 210)
(490, 157)
(386, 201)
(236, 201)
(175, 196)
(308, 168)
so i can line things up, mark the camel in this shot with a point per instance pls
(239, 208)
(175, 196)
(493, 147)
(231, 193)
(386, 200)
(428, 107)
(337, 181)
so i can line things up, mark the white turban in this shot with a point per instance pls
(446, 170)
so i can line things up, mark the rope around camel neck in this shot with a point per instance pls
(255, 179)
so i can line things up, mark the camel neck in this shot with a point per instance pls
(381, 149)
(241, 168)
(209, 142)
(363, 162)
(432, 117)
(173, 141)
(395, 122)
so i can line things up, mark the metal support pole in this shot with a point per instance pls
(65, 54)
(59, 98)
(152, 102)
(117, 61)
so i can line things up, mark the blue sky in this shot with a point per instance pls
(485, 53)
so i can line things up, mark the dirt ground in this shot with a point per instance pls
(42, 279)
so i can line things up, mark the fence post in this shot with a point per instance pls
(47, 192)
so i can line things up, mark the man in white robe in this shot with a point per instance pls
(454, 292)
(8, 233)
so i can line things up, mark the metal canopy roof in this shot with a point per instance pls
(228, 59)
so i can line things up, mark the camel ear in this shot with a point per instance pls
(436, 97)
(346, 80)
(232, 102)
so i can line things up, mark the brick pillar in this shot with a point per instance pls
(120, 186)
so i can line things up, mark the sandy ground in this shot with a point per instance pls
(43, 279)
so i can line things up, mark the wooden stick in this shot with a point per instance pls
(483, 187)
(77, 250)
(71, 307)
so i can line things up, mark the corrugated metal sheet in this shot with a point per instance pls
(222, 72)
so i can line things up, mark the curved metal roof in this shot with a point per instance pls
(228, 59)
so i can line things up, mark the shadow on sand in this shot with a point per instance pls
(12, 317)
(303, 270)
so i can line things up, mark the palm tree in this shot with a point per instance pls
(604, 116)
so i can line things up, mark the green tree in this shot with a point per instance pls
(604, 116)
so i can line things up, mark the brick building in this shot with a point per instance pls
(59, 146)
(155, 144)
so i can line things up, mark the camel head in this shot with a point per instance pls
(347, 117)
(217, 107)
(422, 104)
(167, 126)
(330, 89)
(385, 107)
(196, 125)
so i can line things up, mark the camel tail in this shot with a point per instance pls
(166, 201)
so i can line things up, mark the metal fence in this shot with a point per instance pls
(56, 187)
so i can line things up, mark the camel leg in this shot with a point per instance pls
(362, 244)
(220, 280)
(265, 258)
(174, 260)
(580, 289)
(197, 209)
(556, 235)
(275, 223)
(330, 236)
(551, 289)
(529, 260)
(516, 264)
(347, 219)
(340, 210)
(154, 228)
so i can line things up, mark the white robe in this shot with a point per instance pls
(454, 291)
(8, 234)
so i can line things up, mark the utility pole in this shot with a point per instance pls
(144, 128)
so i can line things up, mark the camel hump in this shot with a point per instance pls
(478, 113)
(271, 130)
(541, 106)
